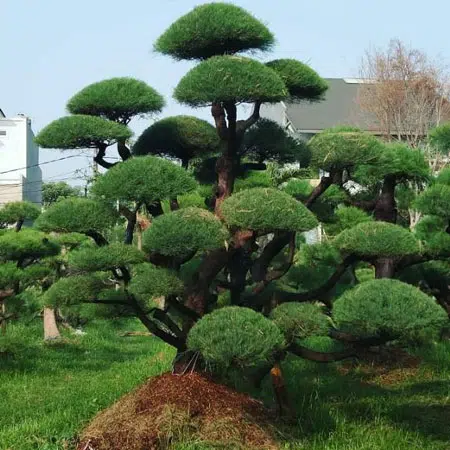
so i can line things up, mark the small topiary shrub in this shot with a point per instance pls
(235, 336)
(387, 307)
(300, 320)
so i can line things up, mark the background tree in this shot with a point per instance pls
(51, 192)
(406, 93)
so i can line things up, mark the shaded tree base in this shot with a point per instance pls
(174, 408)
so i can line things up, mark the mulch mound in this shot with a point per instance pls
(385, 366)
(174, 408)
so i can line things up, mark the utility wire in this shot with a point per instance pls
(42, 163)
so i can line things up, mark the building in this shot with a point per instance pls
(20, 174)
(339, 107)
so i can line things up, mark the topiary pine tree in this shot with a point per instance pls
(219, 270)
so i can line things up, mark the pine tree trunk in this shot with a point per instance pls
(385, 207)
(384, 268)
(3, 323)
(281, 393)
(51, 331)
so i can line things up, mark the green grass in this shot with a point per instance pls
(50, 391)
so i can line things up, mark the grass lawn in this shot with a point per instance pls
(50, 391)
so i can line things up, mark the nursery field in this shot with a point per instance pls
(49, 392)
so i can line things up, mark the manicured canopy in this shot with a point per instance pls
(26, 244)
(14, 211)
(342, 149)
(79, 215)
(235, 336)
(268, 141)
(266, 210)
(92, 259)
(435, 200)
(214, 29)
(387, 307)
(117, 99)
(397, 160)
(151, 281)
(377, 239)
(81, 131)
(182, 137)
(302, 82)
(301, 320)
(232, 79)
(144, 179)
(185, 231)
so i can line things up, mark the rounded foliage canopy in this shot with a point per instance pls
(302, 82)
(144, 179)
(213, 29)
(301, 320)
(81, 131)
(336, 149)
(268, 141)
(389, 308)
(117, 99)
(182, 137)
(26, 244)
(235, 336)
(15, 211)
(397, 160)
(435, 200)
(377, 239)
(230, 79)
(183, 232)
(93, 259)
(79, 215)
(266, 210)
(150, 281)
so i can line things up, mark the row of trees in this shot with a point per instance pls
(224, 247)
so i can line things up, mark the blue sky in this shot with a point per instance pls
(51, 49)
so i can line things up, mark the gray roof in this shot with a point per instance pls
(2, 114)
(339, 107)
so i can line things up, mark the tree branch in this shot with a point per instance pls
(99, 157)
(98, 238)
(244, 125)
(320, 357)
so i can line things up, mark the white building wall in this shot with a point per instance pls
(17, 152)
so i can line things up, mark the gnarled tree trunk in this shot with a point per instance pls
(384, 268)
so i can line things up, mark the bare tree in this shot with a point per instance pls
(404, 92)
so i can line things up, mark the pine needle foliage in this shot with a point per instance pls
(81, 131)
(183, 137)
(439, 138)
(377, 239)
(94, 259)
(265, 209)
(78, 215)
(235, 337)
(387, 307)
(144, 179)
(266, 141)
(185, 231)
(18, 211)
(214, 29)
(338, 149)
(302, 82)
(230, 79)
(435, 200)
(301, 320)
(150, 281)
(116, 99)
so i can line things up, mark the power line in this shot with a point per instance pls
(41, 164)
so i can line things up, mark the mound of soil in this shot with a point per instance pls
(173, 408)
(386, 366)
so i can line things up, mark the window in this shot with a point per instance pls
(2, 133)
